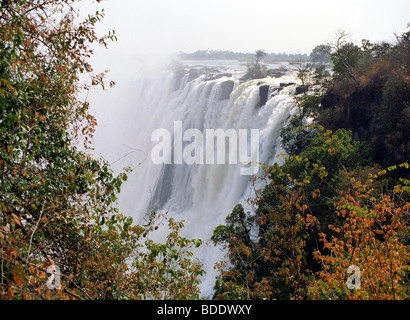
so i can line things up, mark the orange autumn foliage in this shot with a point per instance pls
(370, 235)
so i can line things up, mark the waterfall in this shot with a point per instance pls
(201, 98)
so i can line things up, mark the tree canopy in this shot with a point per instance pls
(58, 204)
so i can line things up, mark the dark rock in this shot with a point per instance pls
(284, 85)
(275, 73)
(225, 90)
(300, 89)
(263, 94)
(211, 77)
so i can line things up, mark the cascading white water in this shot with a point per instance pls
(203, 194)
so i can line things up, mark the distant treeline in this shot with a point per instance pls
(230, 55)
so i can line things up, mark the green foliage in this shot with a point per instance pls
(256, 70)
(319, 170)
(337, 151)
(259, 55)
(296, 135)
(169, 269)
(271, 252)
(348, 54)
(369, 96)
(237, 222)
(239, 275)
(320, 54)
(281, 250)
(395, 118)
(57, 203)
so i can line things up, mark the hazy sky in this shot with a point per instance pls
(292, 26)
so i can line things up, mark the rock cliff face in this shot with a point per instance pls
(263, 94)
(382, 123)
(226, 90)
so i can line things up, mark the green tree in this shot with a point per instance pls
(256, 70)
(57, 203)
(345, 57)
(296, 135)
(321, 54)
(271, 251)
(259, 55)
